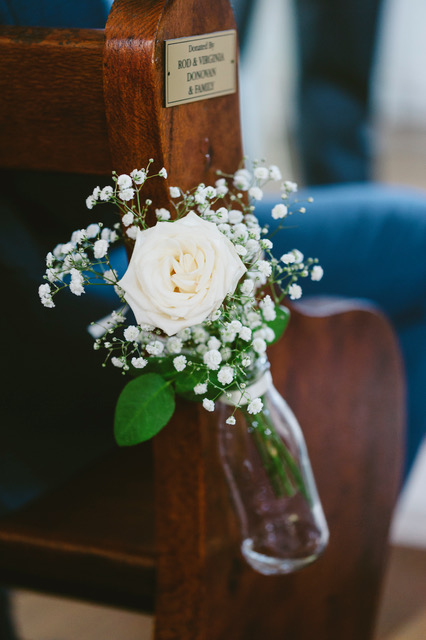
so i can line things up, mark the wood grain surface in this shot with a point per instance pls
(92, 538)
(52, 114)
(192, 140)
(340, 371)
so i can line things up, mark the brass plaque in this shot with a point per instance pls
(200, 67)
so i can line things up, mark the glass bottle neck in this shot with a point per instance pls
(254, 390)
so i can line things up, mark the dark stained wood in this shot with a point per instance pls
(52, 110)
(340, 370)
(181, 537)
(354, 431)
(338, 367)
(192, 141)
(92, 537)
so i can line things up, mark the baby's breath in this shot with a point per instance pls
(221, 353)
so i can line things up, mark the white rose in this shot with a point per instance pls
(179, 273)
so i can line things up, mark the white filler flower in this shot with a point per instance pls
(208, 404)
(180, 273)
(255, 406)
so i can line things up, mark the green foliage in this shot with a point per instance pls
(144, 407)
(279, 325)
(162, 365)
(188, 379)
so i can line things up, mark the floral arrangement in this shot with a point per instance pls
(201, 300)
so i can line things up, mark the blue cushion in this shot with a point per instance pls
(84, 14)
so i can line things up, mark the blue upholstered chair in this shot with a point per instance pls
(82, 14)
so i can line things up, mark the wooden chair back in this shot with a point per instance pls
(92, 101)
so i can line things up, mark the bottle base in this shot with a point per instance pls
(270, 566)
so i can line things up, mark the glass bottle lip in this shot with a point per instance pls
(256, 389)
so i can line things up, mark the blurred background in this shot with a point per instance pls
(269, 75)
(268, 83)
(398, 87)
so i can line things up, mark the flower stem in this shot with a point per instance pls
(279, 463)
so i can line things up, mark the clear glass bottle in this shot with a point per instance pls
(268, 470)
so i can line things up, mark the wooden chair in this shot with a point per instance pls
(152, 527)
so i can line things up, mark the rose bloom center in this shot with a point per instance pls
(186, 270)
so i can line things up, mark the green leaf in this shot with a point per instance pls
(279, 325)
(163, 366)
(144, 407)
(188, 378)
(186, 381)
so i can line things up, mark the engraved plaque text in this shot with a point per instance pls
(200, 67)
